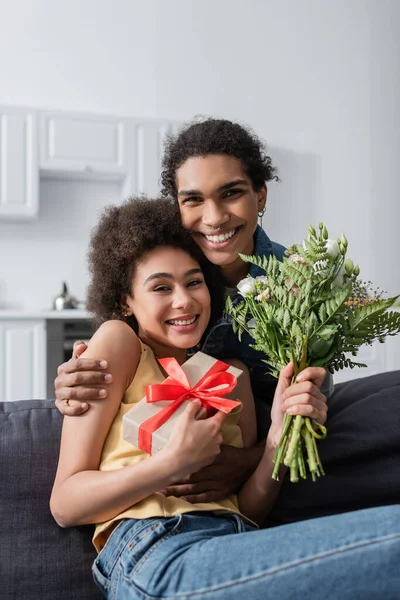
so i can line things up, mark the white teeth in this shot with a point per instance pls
(221, 237)
(189, 322)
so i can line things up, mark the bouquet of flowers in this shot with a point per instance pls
(311, 309)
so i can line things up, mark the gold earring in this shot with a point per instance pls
(260, 216)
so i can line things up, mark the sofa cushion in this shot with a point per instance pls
(361, 454)
(38, 559)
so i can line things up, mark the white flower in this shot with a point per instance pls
(261, 279)
(246, 286)
(263, 296)
(252, 324)
(332, 248)
(339, 279)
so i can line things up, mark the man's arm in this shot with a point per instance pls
(231, 468)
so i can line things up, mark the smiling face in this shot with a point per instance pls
(219, 206)
(170, 301)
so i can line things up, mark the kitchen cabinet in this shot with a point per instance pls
(22, 359)
(82, 145)
(38, 143)
(145, 150)
(19, 170)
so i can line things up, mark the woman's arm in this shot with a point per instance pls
(82, 494)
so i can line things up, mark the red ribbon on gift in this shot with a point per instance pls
(176, 389)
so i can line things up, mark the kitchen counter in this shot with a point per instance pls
(75, 313)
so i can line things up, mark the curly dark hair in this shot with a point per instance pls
(122, 237)
(210, 136)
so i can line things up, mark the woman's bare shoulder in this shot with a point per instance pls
(115, 341)
(115, 330)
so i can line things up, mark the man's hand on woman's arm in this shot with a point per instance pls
(231, 468)
(80, 380)
(234, 466)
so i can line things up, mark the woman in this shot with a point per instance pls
(149, 291)
(217, 172)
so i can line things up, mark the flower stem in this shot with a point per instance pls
(294, 440)
(312, 463)
(300, 460)
(278, 458)
(294, 430)
(294, 470)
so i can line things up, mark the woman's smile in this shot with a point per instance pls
(184, 324)
(170, 301)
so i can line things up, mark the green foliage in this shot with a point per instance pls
(311, 309)
(314, 292)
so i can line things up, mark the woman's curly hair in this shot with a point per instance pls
(216, 136)
(124, 234)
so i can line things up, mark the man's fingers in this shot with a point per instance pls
(86, 378)
(82, 364)
(81, 394)
(190, 489)
(210, 472)
(177, 490)
(212, 496)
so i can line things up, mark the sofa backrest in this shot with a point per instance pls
(38, 559)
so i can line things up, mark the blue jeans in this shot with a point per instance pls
(200, 555)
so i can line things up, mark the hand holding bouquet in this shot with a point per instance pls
(311, 309)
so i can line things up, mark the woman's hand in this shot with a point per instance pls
(195, 441)
(303, 398)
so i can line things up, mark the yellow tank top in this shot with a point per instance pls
(118, 453)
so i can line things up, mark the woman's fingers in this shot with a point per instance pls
(315, 374)
(71, 408)
(307, 406)
(306, 387)
(285, 378)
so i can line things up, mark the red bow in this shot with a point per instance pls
(176, 388)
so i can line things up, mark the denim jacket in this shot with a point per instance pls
(221, 340)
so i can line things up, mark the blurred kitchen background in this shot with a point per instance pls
(89, 88)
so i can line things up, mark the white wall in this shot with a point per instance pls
(318, 79)
(36, 257)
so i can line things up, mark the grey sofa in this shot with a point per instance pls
(41, 561)
(38, 559)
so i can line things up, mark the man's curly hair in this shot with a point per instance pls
(124, 234)
(216, 136)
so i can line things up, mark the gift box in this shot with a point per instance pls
(148, 424)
